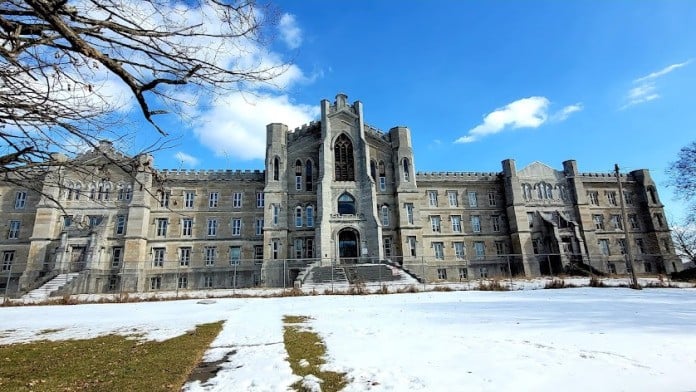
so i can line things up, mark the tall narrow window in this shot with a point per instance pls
(158, 257)
(452, 198)
(20, 200)
(120, 224)
(407, 170)
(162, 227)
(387, 242)
(473, 200)
(259, 200)
(411, 245)
(495, 220)
(439, 250)
(210, 253)
(164, 197)
(237, 200)
(435, 223)
(212, 227)
(236, 227)
(480, 249)
(213, 199)
(186, 226)
(116, 256)
(276, 214)
(432, 198)
(14, 229)
(456, 223)
(298, 175)
(188, 199)
(385, 216)
(310, 216)
(184, 256)
(298, 217)
(343, 151)
(382, 177)
(7, 259)
(309, 180)
(276, 168)
(491, 199)
(373, 170)
(235, 254)
(259, 226)
(476, 223)
(459, 250)
(409, 213)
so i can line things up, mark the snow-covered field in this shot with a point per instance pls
(542, 340)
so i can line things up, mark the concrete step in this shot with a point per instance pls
(52, 285)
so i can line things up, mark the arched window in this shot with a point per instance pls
(382, 177)
(540, 191)
(385, 215)
(129, 192)
(78, 189)
(107, 190)
(298, 217)
(308, 176)
(92, 192)
(69, 191)
(346, 204)
(276, 168)
(343, 158)
(298, 175)
(549, 191)
(407, 170)
(310, 216)
(373, 170)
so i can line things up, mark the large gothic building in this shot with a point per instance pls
(334, 191)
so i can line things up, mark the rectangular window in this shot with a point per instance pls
(495, 220)
(480, 249)
(162, 227)
(208, 282)
(236, 227)
(616, 222)
(298, 244)
(660, 220)
(432, 198)
(298, 217)
(435, 223)
(155, 283)
(499, 248)
(113, 283)
(310, 216)
(276, 214)
(186, 227)
(164, 199)
(442, 273)
(593, 198)
(536, 246)
(476, 223)
(409, 213)
(120, 224)
(530, 219)
(259, 226)
(598, 221)
(95, 220)
(611, 198)
(182, 282)
(235, 254)
(213, 199)
(275, 249)
(20, 200)
(209, 255)
(14, 229)
(298, 183)
(385, 216)
(622, 245)
(189, 198)
(456, 223)
(158, 257)
(666, 245)
(473, 202)
(452, 198)
(258, 254)
(383, 184)
(604, 247)
(184, 256)
(633, 221)
(492, 202)
(259, 200)
(439, 250)
(459, 250)
(411, 245)
(212, 227)
(463, 274)
(67, 220)
(387, 245)
(237, 200)
(628, 198)
(309, 247)
(483, 272)
(116, 256)
(7, 259)
(640, 246)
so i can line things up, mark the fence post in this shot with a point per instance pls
(509, 270)
(332, 274)
(423, 269)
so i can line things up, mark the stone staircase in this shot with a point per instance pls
(343, 276)
(52, 285)
(322, 277)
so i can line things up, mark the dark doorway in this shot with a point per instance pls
(348, 245)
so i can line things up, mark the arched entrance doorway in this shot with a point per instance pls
(348, 240)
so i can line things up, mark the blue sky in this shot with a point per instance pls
(601, 82)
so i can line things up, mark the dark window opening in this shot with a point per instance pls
(343, 150)
(346, 204)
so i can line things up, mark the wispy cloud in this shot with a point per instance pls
(290, 32)
(529, 112)
(645, 87)
(186, 159)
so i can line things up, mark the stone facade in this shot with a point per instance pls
(335, 190)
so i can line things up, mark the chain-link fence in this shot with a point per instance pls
(178, 276)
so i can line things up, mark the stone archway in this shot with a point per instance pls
(348, 245)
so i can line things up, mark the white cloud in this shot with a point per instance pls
(524, 113)
(186, 159)
(645, 89)
(236, 124)
(290, 33)
(564, 113)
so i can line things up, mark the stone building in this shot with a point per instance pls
(335, 191)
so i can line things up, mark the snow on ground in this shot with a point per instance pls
(543, 340)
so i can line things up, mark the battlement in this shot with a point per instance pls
(376, 133)
(457, 176)
(606, 175)
(213, 175)
(305, 129)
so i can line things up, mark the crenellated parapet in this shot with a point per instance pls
(627, 176)
(212, 175)
(457, 176)
(312, 128)
(376, 133)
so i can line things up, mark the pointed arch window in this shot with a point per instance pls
(346, 204)
(343, 158)
(298, 175)
(276, 168)
(382, 176)
(407, 170)
(309, 183)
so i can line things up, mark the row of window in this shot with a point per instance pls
(212, 227)
(463, 273)
(453, 198)
(100, 191)
(456, 223)
(460, 249)
(213, 199)
(604, 248)
(210, 256)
